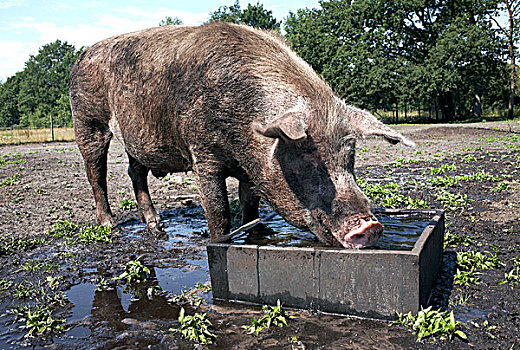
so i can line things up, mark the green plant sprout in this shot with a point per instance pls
(195, 328)
(430, 322)
(94, 233)
(274, 315)
(135, 272)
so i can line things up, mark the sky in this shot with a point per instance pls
(26, 25)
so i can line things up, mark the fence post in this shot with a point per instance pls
(52, 130)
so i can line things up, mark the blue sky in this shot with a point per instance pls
(26, 25)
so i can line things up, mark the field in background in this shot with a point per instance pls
(17, 136)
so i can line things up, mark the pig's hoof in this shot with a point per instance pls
(157, 230)
(109, 222)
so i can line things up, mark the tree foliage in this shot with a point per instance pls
(40, 92)
(380, 54)
(168, 21)
(254, 16)
(450, 58)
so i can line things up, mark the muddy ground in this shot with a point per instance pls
(44, 183)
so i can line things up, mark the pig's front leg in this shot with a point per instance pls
(213, 193)
(249, 202)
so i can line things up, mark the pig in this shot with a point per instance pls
(225, 100)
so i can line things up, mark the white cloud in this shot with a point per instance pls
(13, 56)
(5, 4)
(158, 14)
(127, 19)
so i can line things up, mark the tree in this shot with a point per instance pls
(168, 21)
(9, 113)
(254, 16)
(45, 80)
(511, 33)
(383, 54)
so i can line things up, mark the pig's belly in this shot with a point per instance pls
(160, 159)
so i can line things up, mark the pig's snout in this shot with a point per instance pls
(364, 234)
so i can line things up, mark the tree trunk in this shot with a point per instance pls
(510, 113)
(511, 44)
(477, 106)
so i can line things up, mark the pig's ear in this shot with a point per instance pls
(289, 127)
(368, 125)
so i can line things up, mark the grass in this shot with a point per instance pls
(18, 136)
(274, 315)
(430, 322)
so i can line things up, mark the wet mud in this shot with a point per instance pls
(103, 313)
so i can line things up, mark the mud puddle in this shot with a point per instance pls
(117, 305)
(99, 310)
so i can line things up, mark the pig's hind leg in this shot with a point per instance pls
(139, 173)
(93, 139)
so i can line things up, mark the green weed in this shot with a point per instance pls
(101, 284)
(10, 180)
(62, 228)
(94, 233)
(451, 201)
(135, 272)
(4, 162)
(469, 158)
(274, 315)
(503, 186)
(512, 277)
(235, 212)
(195, 328)
(9, 246)
(461, 300)
(5, 285)
(41, 323)
(127, 204)
(443, 169)
(452, 240)
(430, 322)
(192, 296)
(34, 265)
(388, 196)
(466, 278)
(478, 260)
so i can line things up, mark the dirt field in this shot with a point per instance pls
(57, 276)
